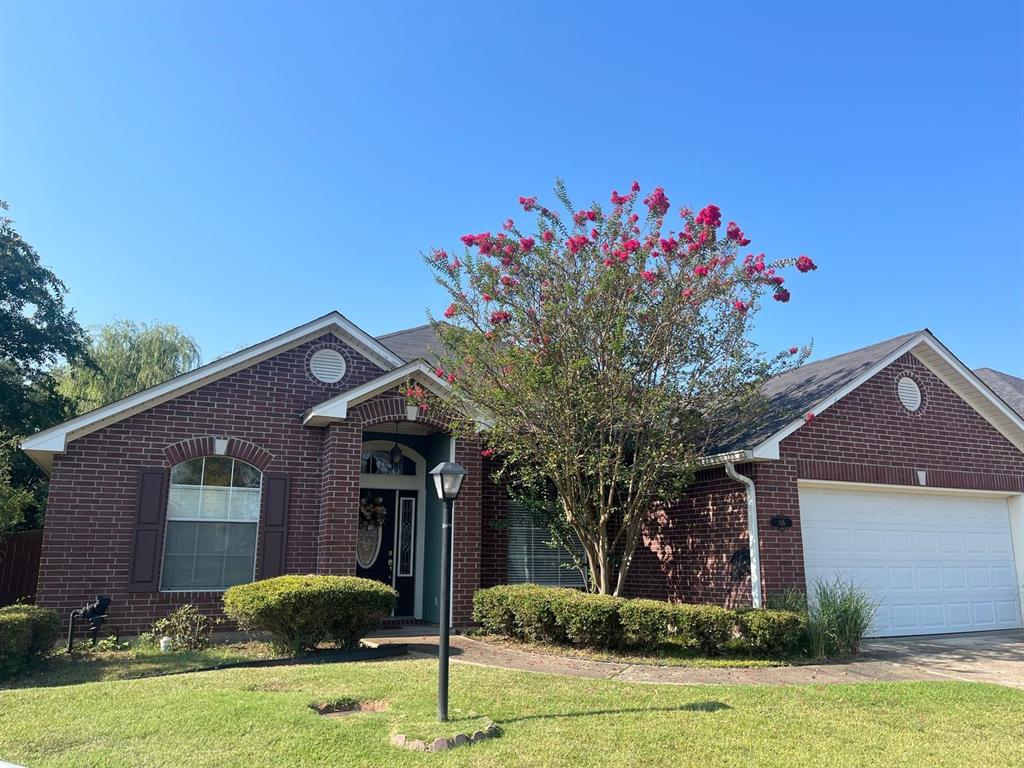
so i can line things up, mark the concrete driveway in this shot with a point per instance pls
(990, 657)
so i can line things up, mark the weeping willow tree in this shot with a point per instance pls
(123, 358)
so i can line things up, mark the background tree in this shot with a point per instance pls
(607, 354)
(37, 331)
(123, 358)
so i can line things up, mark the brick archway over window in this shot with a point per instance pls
(206, 445)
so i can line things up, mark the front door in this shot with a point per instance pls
(386, 543)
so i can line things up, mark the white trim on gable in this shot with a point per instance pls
(336, 409)
(940, 361)
(41, 446)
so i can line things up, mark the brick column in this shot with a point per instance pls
(782, 551)
(339, 499)
(466, 550)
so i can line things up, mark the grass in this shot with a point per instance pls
(246, 717)
(140, 661)
(667, 656)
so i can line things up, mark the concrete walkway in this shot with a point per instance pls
(990, 657)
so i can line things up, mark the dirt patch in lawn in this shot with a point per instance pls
(344, 707)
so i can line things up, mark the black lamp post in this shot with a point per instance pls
(448, 479)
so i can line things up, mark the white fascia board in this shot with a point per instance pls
(336, 408)
(55, 439)
(721, 459)
(770, 447)
(983, 389)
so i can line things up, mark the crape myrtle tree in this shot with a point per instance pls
(606, 348)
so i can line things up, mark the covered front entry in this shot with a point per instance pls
(936, 561)
(398, 538)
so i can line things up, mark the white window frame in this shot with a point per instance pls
(168, 519)
(406, 506)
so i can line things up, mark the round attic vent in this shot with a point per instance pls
(328, 365)
(909, 393)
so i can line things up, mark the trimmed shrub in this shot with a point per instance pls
(588, 620)
(534, 618)
(492, 609)
(27, 633)
(772, 632)
(300, 612)
(707, 627)
(840, 614)
(188, 629)
(645, 623)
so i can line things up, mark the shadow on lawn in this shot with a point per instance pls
(694, 706)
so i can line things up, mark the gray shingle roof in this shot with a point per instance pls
(1009, 388)
(796, 392)
(789, 395)
(412, 343)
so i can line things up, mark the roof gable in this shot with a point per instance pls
(336, 409)
(814, 387)
(42, 445)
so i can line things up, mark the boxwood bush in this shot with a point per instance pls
(300, 612)
(492, 610)
(705, 627)
(556, 615)
(646, 624)
(27, 633)
(590, 621)
(777, 633)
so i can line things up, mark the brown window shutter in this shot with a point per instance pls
(274, 534)
(150, 510)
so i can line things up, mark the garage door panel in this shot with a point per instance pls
(934, 563)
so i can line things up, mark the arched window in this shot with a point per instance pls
(379, 462)
(213, 510)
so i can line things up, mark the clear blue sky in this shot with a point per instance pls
(240, 169)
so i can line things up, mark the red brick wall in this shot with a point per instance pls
(866, 437)
(90, 516)
(493, 535)
(869, 437)
(685, 557)
(466, 550)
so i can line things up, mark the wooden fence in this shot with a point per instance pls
(19, 565)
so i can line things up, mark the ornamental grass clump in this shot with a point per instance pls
(608, 348)
(839, 616)
(301, 612)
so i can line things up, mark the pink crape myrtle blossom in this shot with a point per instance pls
(606, 346)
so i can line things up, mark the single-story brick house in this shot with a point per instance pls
(909, 478)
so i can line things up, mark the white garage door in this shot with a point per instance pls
(936, 563)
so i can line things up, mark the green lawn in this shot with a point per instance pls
(261, 717)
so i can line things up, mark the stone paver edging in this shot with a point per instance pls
(442, 743)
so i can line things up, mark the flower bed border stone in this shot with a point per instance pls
(442, 743)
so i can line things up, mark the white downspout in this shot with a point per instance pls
(755, 539)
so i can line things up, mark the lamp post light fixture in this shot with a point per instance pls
(448, 478)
